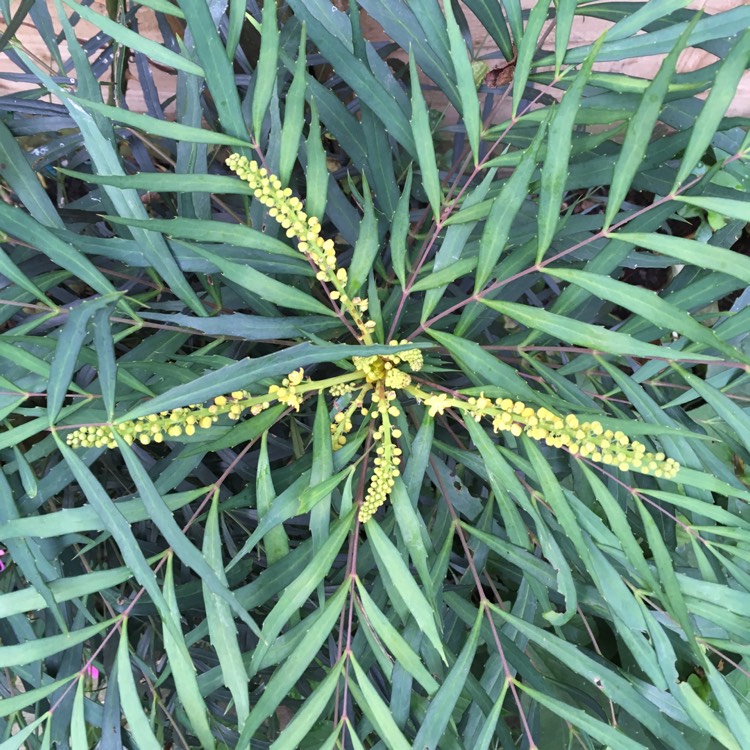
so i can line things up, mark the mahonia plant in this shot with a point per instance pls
(372, 390)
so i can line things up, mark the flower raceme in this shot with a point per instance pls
(580, 438)
(155, 428)
(371, 391)
(288, 211)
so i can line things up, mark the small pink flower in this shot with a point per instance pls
(2, 564)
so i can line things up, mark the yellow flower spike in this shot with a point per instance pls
(587, 439)
(154, 427)
(288, 211)
(384, 472)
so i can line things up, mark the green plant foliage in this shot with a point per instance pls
(437, 439)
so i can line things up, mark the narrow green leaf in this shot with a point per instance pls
(723, 91)
(483, 368)
(116, 525)
(620, 525)
(379, 167)
(140, 726)
(373, 81)
(499, 473)
(47, 738)
(404, 655)
(235, 23)
(221, 626)
(614, 686)
(264, 286)
(14, 23)
(644, 15)
(412, 529)
(316, 171)
(79, 520)
(565, 11)
(217, 68)
(692, 252)
(418, 25)
(15, 168)
(125, 36)
(467, 89)
(416, 466)
(641, 128)
(389, 559)
(454, 244)
(559, 140)
(198, 229)
(296, 594)
(28, 477)
(17, 223)
(42, 648)
(63, 590)
(699, 508)
(648, 305)
(162, 6)
(400, 231)
(592, 726)
(183, 668)
(377, 711)
(526, 49)
(294, 113)
(265, 72)
(158, 127)
(737, 209)
(106, 159)
(289, 672)
(77, 720)
(366, 247)
(734, 714)
(17, 740)
(27, 555)
(420, 126)
(444, 702)
(504, 209)
(21, 701)
(283, 508)
(307, 716)
(705, 716)
(555, 498)
(491, 17)
(320, 472)
(309, 499)
(512, 9)
(588, 335)
(182, 546)
(432, 280)
(13, 273)
(675, 600)
(275, 540)
(105, 354)
(488, 731)
(719, 26)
